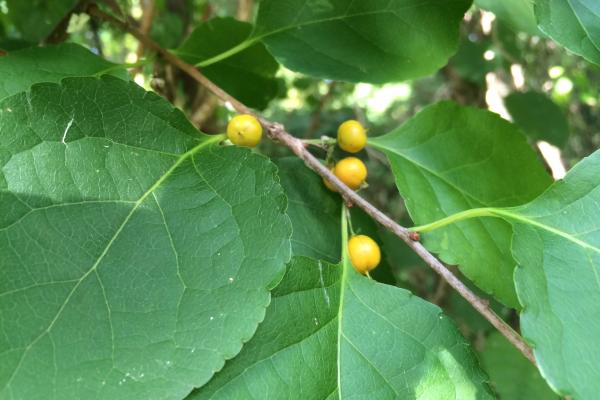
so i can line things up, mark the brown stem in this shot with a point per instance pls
(315, 121)
(278, 133)
(244, 11)
(148, 10)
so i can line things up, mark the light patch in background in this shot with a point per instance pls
(552, 157)
(516, 71)
(496, 91)
(487, 20)
(489, 55)
(377, 100)
(555, 72)
(140, 80)
(136, 9)
(3, 7)
(563, 86)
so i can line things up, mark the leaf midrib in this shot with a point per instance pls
(526, 220)
(120, 229)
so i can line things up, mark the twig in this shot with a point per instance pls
(278, 133)
(96, 36)
(148, 8)
(244, 11)
(315, 121)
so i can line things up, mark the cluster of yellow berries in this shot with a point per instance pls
(246, 130)
(351, 137)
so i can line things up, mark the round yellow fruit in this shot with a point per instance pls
(352, 171)
(364, 253)
(352, 136)
(244, 130)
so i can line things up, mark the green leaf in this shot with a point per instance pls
(22, 68)
(137, 255)
(313, 209)
(36, 19)
(469, 61)
(315, 214)
(450, 158)
(574, 24)
(330, 333)
(557, 245)
(518, 14)
(363, 224)
(512, 375)
(361, 41)
(9, 44)
(538, 116)
(248, 75)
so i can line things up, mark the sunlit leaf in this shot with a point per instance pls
(331, 334)
(450, 158)
(137, 255)
(557, 245)
(574, 24)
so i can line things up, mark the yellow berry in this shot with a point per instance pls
(244, 130)
(352, 136)
(364, 253)
(352, 171)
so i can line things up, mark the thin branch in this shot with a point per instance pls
(278, 133)
(244, 11)
(148, 10)
(315, 121)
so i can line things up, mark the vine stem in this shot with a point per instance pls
(278, 133)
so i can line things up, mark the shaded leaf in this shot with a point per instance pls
(315, 214)
(248, 75)
(36, 19)
(361, 41)
(469, 61)
(22, 68)
(574, 24)
(136, 254)
(450, 158)
(363, 224)
(518, 14)
(331, 334)
(512, 375)
(538, 116)
(313, 210)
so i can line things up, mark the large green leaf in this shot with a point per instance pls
(557, 245)
(516, 13)
(36, 19)
(330, 333)
(512, 375)
(248, 75)
(450, 158)
(137, 255)
(574, 24)
(538, 116)
(21, 69)
(370, 41)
